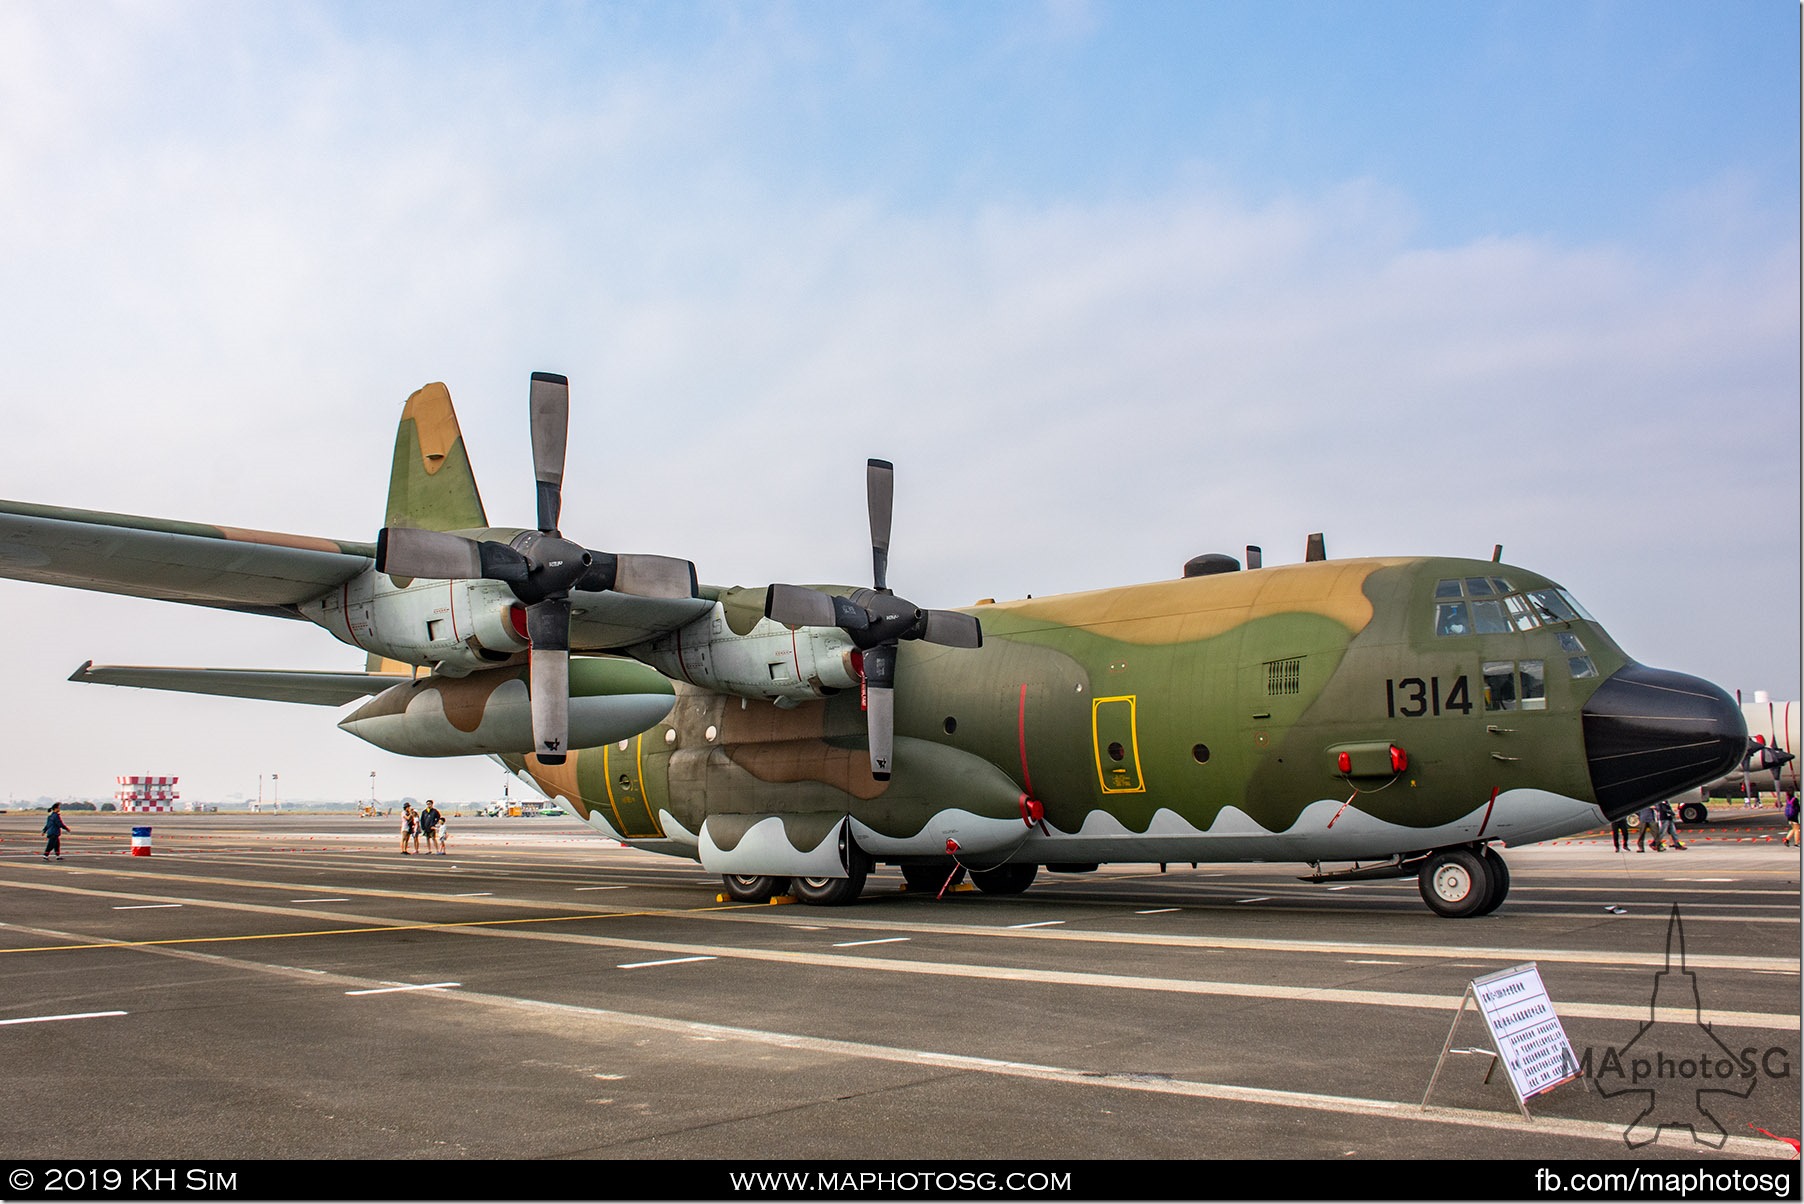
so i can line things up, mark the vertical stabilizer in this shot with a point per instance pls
(431, 486)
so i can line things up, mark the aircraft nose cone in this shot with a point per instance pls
(1651, 734)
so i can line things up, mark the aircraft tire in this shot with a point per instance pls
(753, 888)
(835, 892)
(1694, 813)
(828, 892)
(929, 879)
(1455, 883)
(1010, 879)
(1500, 881)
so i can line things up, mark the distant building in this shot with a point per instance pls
(144, 793)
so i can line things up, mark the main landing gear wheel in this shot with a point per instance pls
(1456, 883)
(1010, 879)
(834, 892)
(931, 879)
(1694, 813)
(1500, 881)
(754, 888)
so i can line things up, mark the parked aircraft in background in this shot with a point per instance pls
(1771, 761)
(1371, 718)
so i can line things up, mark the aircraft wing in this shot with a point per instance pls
(600, 622)
(272, 685)
(263, 572)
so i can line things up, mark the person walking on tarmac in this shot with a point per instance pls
(1619, 834)
(1669, 830)
(1646, 816)
(54, 827)
(1791, 819)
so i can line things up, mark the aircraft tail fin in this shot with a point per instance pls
(431, 486)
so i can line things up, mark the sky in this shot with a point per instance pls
(1111, 284)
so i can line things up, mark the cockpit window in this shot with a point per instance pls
(1520, 615)
(1488, 617)
(1552, 606)
(1478, 587)
(1446, 589)
(1570, 642)
(1581, 666)
(1450, 619)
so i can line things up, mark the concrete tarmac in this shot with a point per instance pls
(291, 986)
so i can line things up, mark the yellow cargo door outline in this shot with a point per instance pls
(631, 792)
(1114, 776)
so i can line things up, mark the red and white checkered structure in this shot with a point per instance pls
(146, 793)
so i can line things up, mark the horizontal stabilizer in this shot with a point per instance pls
(271, 685)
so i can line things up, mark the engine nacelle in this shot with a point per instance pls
(491, 711)
(457, 627)
(767, 661)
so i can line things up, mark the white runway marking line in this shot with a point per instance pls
(472, 894)
(423, 986)
(319, 900)
(1256, 899)
(669, 961)
(583, 888)
(882, 940)
(69, 1016)
(1397, 1110)
(1158, 911)
(143, 906)
(1038, 924)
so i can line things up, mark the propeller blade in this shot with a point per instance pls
(550, 705)
(550, 405)
(799, 606)
(880, 498)
(880, 720)
(411, 552)
(655, 577)
(951, 629)
(548, 627)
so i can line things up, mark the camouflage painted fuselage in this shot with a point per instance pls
(1188, 720)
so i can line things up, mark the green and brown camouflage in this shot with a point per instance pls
(1400, 715)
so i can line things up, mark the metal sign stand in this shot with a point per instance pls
(1526, 1035)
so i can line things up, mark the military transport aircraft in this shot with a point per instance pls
(1392, 717)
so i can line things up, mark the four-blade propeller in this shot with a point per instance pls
(541, 567)
(876, 620)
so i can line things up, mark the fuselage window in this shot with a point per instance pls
(1534, 685)
(1500, 685)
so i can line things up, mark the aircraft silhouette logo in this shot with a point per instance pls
(1679, 1058)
